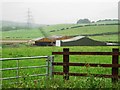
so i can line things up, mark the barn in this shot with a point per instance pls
(44, 42)
(79, 41)
(49, 41)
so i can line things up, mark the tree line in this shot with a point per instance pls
(84, 21)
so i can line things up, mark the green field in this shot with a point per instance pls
(105, 38)
(32, 33)
(35, 33)
(88, 30)
(25, 50)
(78, 82)
(21, 34)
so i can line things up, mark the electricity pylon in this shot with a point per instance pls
(29, 19)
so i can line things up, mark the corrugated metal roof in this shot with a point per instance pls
(73, 39)
(55, 36)
(51, 37)
(37, 38)
(112, 44)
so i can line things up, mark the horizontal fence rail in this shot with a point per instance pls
(85, 64)
(15, 68)
(23, 58)
(66, 73)
(86, 53)
(23, 76)
(48, 60)
(85, 74)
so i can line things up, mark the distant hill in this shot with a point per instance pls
(10, 25)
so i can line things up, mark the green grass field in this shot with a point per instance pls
(21, 34)
(21, 50)
(35, 33)
(105, 38)
(32, 33)
(88, 30)
(74, 82)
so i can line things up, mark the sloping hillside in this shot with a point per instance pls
(101, 32)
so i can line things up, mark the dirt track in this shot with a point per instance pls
(14, 41)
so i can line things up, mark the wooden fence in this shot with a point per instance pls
(115, 64)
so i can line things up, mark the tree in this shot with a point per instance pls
(83, 21)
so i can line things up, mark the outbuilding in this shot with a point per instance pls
(49, 41)
(79, 41)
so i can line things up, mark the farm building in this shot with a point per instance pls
(79, 41)
(49, 41)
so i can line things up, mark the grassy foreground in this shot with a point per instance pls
(58, 82)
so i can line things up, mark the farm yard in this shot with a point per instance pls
(40, 81)
(63, 44)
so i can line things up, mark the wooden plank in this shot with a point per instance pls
(114, 62)
(86, 64)
(85, 53)
(86, 75)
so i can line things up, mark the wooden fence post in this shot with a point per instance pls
(115, 57)
(66, 62)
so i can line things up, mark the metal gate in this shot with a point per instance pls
(48, 66)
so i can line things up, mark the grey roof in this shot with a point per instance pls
(35, 39)
(73, 39)
(55, 36)
(112, 44)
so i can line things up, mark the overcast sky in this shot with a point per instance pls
(59, 11)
